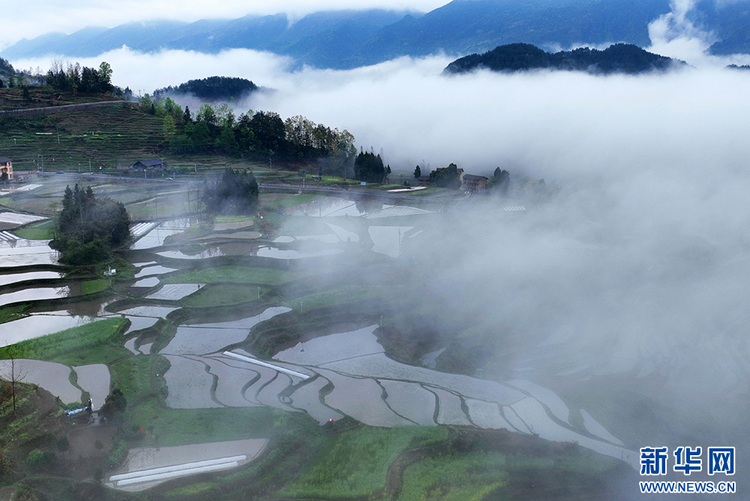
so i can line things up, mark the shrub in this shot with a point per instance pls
(35, 458)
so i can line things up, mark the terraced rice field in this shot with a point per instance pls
(352, 376)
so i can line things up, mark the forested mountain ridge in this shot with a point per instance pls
(212, 88)
(348, 39)
(618, 58)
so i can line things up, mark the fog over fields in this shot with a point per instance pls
(636, 265)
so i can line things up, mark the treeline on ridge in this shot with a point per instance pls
(80, 79)
(259, 135)
(618, 58)
(214, 88)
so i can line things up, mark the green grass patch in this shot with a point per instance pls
(234, 274)
(468, 477)
(93, 286)
(233, 219)
(13, 313)
(355, 463)
(71, 344)
(337, 296)
(475, 475)
(191, 490)
(133, 375)
(41, 230)
(193, 426)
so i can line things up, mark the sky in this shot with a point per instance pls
(31, 19)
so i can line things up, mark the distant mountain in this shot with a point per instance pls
(618, 58)
(323, 39)
(347, 39)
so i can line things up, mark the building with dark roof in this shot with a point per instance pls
(149, 164)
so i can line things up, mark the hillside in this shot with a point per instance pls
(618, 58)
(74, 138)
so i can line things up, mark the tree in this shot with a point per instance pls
(114, 404)
(500, 180)
(88, 228)
(168, 127)
(369, 167)
(446, 177)
(62, 444)
(201, 135)
(236, 192)
(417, 172)
(268, 130)
(15, 375)
(105, 76)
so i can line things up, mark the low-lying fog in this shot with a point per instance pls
(638, 263)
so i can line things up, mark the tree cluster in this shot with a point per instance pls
(500, 181)
(80, 79)
(618, 58)
(369, 167)
(213, 88)
(235, 192)
(257, 135)
(88, 228)
(114, 404)
(446, 177)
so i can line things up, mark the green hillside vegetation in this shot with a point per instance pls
(101, 137)
(213, 88)
(80, 140)
(618, 58)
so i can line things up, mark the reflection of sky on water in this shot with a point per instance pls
(153, 270)
(155, 237)
(328, 207)
(212, 252)
(33, 294)
(36, 326)
(31, 275)
(24, 252)
(336, 207)
(147, 282)
(275, 253)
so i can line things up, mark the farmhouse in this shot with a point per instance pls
(472, 183)
(149, 164)
(6, 168)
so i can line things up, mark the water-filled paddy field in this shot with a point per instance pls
(305, 333)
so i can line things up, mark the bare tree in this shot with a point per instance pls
(14, 375)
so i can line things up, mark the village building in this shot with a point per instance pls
(6, 168)
(472, 183)
(154, 164)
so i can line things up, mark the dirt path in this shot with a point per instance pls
(55, 109)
